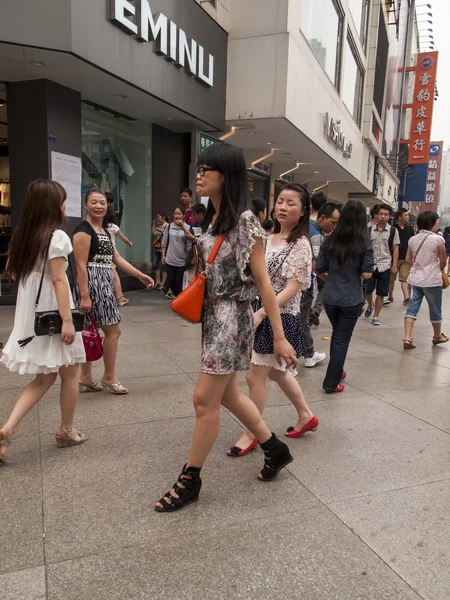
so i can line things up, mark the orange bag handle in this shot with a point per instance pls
(216, 248)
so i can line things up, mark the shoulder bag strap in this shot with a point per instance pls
(38, 296)
(216, 248)
(420, 247)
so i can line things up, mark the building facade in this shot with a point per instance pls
(307, 90)
(111, 93)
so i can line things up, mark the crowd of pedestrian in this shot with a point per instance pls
(268, 281)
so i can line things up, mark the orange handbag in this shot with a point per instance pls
(189, 304)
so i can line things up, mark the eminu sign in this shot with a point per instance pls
(136, 17)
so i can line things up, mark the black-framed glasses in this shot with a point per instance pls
(203, 170)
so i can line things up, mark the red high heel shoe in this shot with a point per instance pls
(339, 388)
(310, 426)
(236, 452)
(343, 376)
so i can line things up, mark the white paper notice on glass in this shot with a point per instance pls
(66, 170)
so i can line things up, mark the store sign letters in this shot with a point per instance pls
(433, 175)
(422, 107)
(136, 17)
(335, 135)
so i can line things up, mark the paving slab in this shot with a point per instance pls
(429, 404)
(21, 507)
(140, 360)
(408, 529)
(309, 554)
(150, 399)
(28, 584)
(363, 446)
(101, 496)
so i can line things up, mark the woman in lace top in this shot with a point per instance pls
(289, 262)
(233, 280)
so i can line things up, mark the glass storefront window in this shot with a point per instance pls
(117, 158)
(352, 83)
(359, 9)
(321, 24)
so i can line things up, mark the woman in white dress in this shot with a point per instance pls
(39, 245)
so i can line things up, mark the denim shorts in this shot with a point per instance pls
(433, 296)
(157, 262)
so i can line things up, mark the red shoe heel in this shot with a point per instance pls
(236, 452)
(312, 425)
(339, 388)
(344, 376)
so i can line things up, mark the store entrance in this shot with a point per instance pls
(6, 285)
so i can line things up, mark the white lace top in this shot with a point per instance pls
(286, 262)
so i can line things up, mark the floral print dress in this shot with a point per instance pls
(227, 326)
(283, 263)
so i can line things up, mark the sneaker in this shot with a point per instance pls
(391, 299)
(386, 301)
(314, 319)
(368, 312)
(314, 360)
(376, 321)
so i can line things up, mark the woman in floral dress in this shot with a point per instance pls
(289, 261)
(234, 278)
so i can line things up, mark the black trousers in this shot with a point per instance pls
(174, 280)
(343, 319)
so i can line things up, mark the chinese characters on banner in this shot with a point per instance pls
(433, 177)
(422, 108)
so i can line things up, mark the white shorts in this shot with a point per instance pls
(269, 360)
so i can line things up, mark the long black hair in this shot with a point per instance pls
(41, 215)
(229, 161)
(258, 205)
(351, 236)
(302, 227)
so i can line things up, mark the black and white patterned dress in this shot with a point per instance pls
(283, 263)
(100, 275)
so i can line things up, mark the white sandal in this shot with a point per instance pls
(115, 388)
(69, 437)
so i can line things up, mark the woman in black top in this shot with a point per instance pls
(95, 254)
(346, 257)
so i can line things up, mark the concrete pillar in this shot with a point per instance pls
(42, 116)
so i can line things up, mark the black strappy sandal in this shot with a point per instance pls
(187, 492)
(276, 457)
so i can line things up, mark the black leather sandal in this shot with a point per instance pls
(186, 490)
(276, 457)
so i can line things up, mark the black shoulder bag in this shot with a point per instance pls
(49, 322)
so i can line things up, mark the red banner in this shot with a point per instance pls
(422, 108)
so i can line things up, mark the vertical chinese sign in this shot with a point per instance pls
(433, 177)
(422, 108)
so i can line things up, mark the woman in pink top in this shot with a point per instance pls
(426, 253)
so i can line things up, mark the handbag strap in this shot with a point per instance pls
(420, 247)
(216, 248)
(38, 296)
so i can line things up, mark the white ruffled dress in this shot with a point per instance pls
(44, 354)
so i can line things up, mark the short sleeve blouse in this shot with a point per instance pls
(298, 264)
(426, 269)
(60, 245)
(230, 275)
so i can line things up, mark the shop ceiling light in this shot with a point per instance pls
(170, 118)
(37, 63)
(270, 143)
(121, 96)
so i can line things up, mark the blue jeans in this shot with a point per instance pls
(343, 319)
(433, 296)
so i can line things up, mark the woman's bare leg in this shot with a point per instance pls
(69, 395)
(207, 400)
(291, 388)
(27, 399)
(256, 381)
(245, 410)
(110, 346)
(86, 376)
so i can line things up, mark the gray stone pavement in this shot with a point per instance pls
(361, 513)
